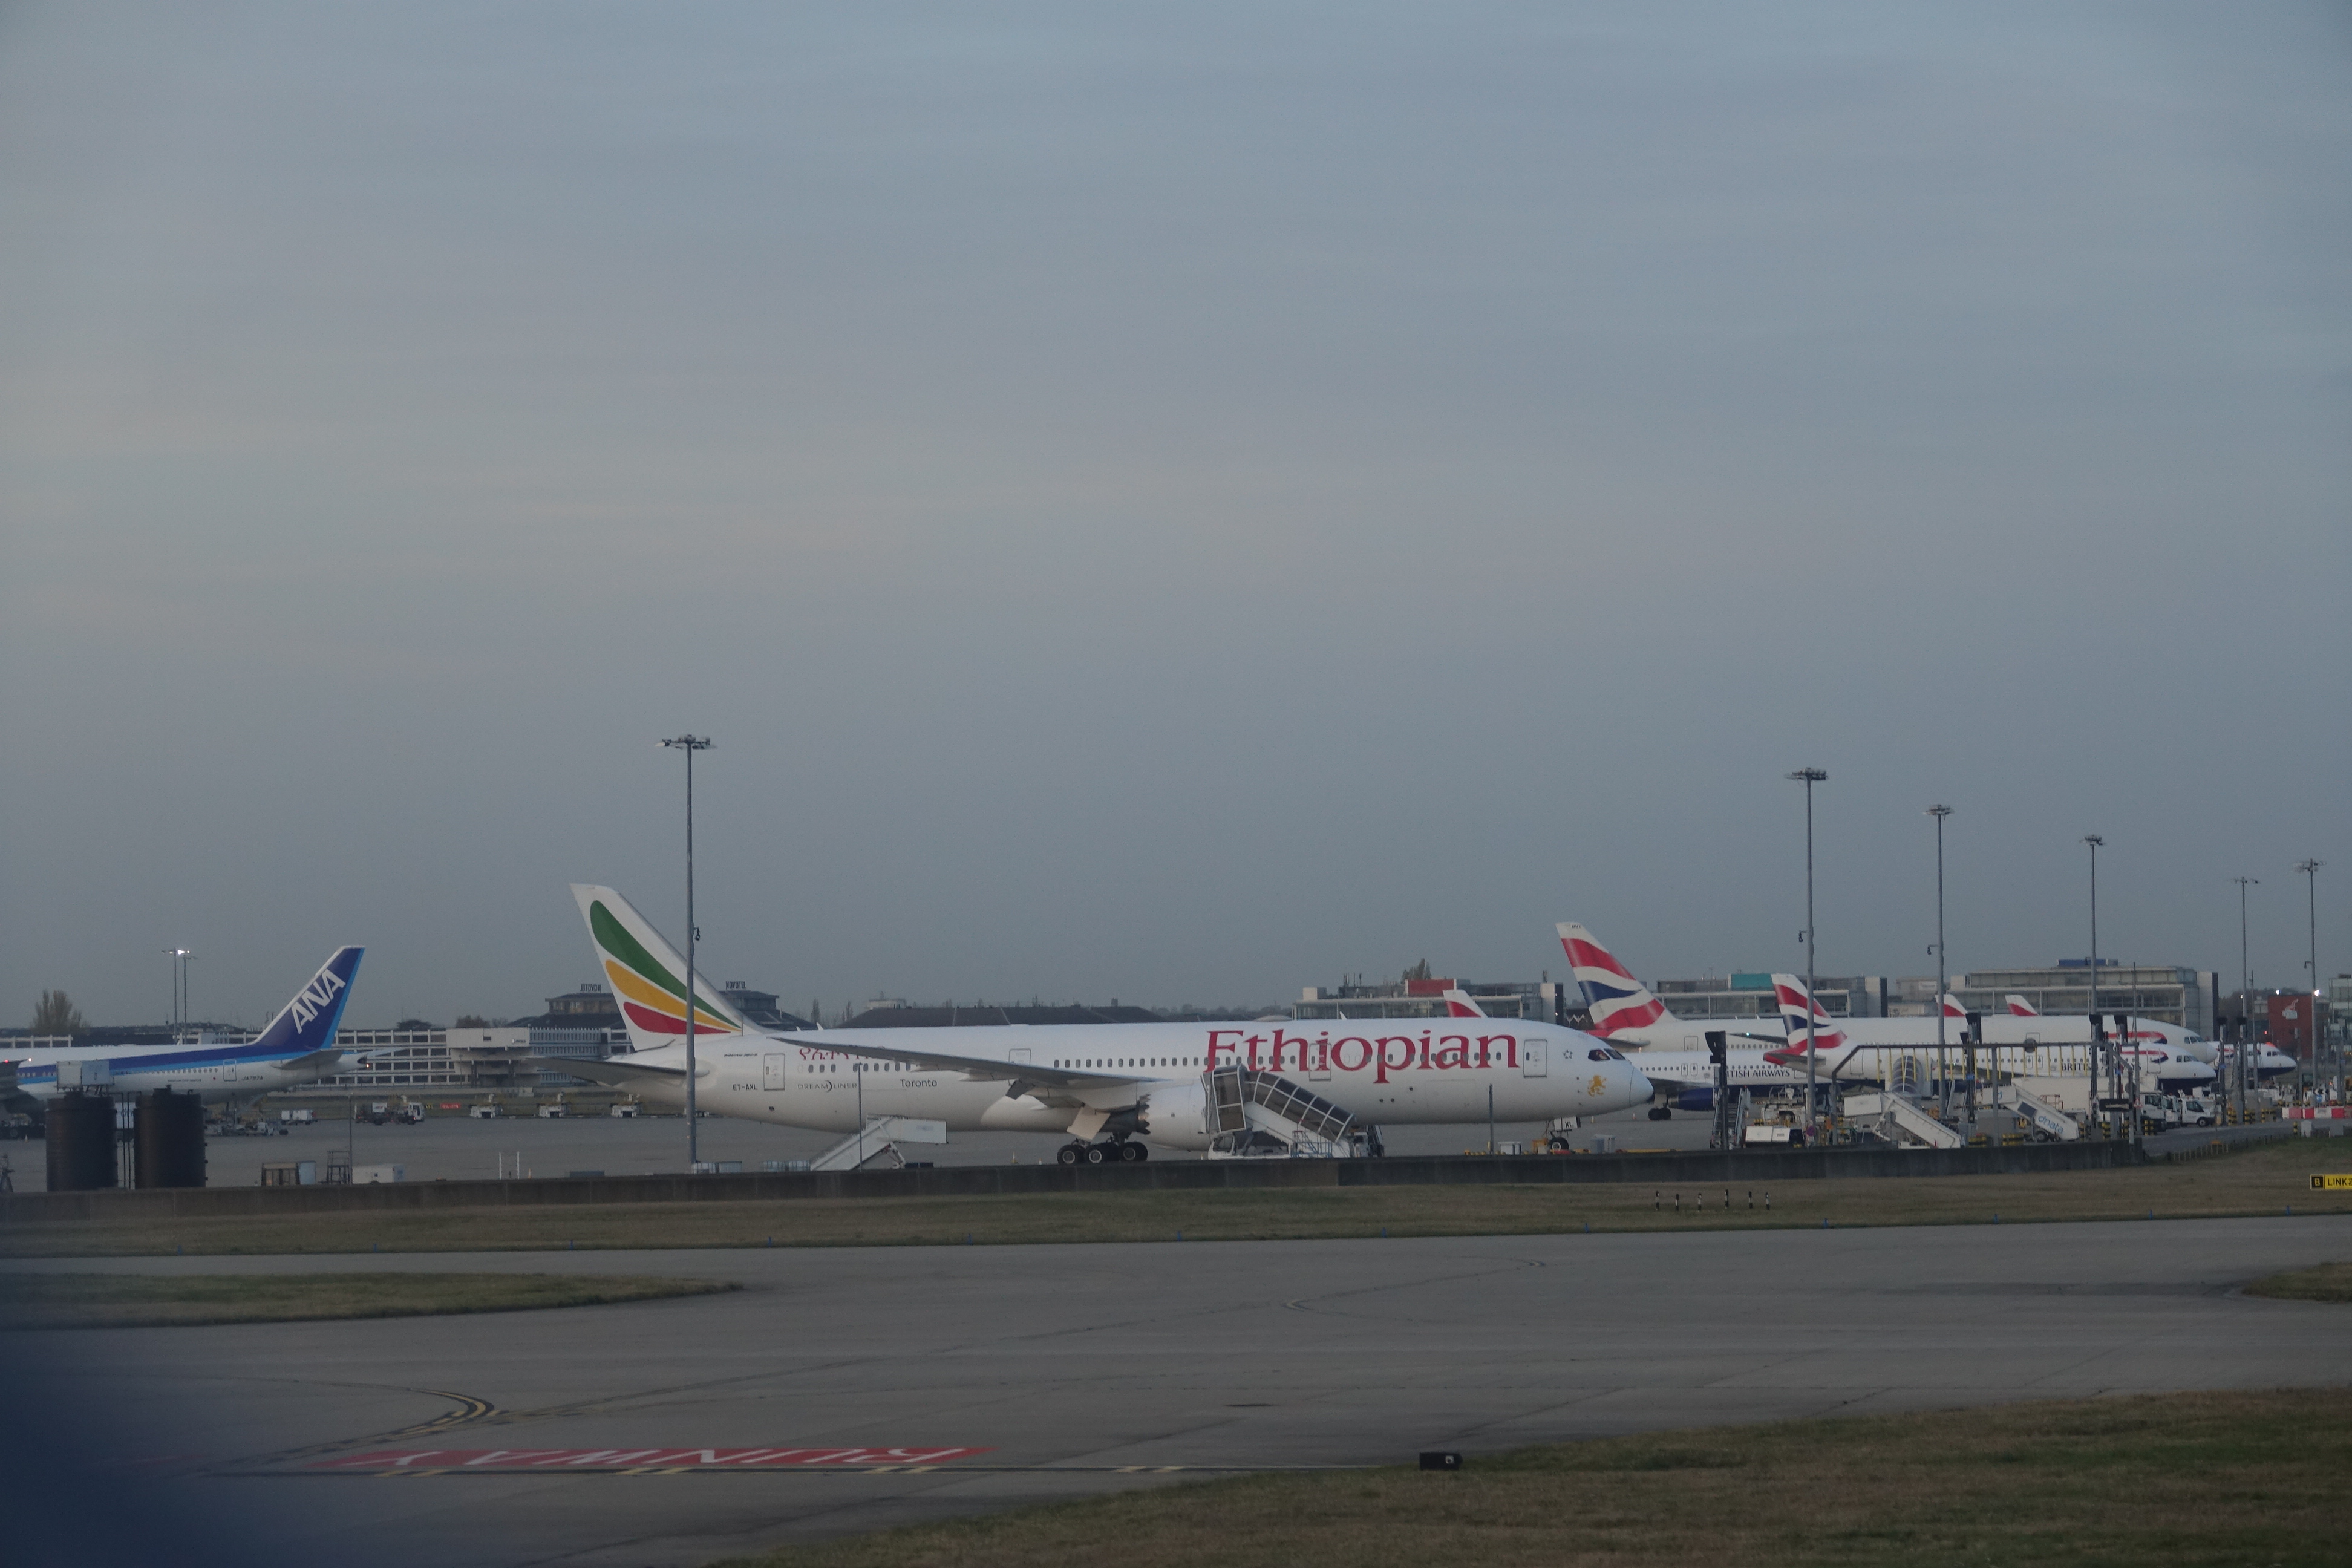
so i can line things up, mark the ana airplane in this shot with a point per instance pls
(1112, 1087)
(298, 1047)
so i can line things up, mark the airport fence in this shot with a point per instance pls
(952, 1181)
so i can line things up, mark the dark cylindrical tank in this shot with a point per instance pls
(168, 1130)
(81, 1142)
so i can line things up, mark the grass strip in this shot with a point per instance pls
(148, 1300)
(2270, 1179)
(2215, 1479)
(2328, 1282)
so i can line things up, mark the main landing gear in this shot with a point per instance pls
(1661, 1113)
(1121, 1152)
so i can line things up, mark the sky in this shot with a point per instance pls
(1175, 506)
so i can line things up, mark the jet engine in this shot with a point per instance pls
(1176, 1116)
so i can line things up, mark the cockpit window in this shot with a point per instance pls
(1596, 1055)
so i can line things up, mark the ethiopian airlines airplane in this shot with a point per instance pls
(296, 1049)
(1105, 1085)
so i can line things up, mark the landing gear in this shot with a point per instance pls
(1133, 1154)
(1560, 1144)
(1100, 1154)
(1661, 1113)
(1070, 1153)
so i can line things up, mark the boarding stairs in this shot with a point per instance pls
(1259, 1115)
(1899, 1121)
(2046, 1117)
(878, 1139)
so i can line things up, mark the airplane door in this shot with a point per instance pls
(1319, 1070)
(776, 1067)
(1531, 1059)
(1018, 1056)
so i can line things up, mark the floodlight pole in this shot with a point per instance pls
(2115, 1062)
(1943, 1066)
(2310, 869)
(179, 957)
(1808, 777)
(689, 744)
(2245, 996)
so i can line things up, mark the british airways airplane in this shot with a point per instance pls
(296, 1049)
(1111, 1087)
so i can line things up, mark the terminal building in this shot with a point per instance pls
(582, 1025)
(2188, 997)
(1420, 996)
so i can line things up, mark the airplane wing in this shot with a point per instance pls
(619, 1071)
(987, 1068)
(1025, 1077)
(316, 1061)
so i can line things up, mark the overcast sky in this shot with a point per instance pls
(1177, 506)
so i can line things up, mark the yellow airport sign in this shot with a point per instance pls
(2341, 1182)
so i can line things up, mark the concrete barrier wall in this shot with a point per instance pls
(967, 1181)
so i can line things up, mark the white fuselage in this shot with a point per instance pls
(1744, 1067)
(1430, 1070)
(214, 1072)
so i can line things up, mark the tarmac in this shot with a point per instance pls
(1005, 1375)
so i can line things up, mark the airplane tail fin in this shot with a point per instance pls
(309, 1022)
(1802, 1017)
(1951, 1007)
(643, 970)
(1460, 1003)
(2019, 1008)
(1615, 999)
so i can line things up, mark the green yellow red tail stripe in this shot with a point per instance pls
(651, 995)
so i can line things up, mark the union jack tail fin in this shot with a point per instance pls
(643, 970)
(1460, 1003)
(1802, 1017)
(2019, 1008)
(1615, 999)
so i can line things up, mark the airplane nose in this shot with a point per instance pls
(1638, 1089)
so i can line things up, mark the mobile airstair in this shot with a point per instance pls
(878, 1139)
(2047, 1119)
(1900, 1121)
(1259, 1115)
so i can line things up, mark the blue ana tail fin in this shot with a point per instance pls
(308, 1023)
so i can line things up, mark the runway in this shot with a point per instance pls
(1070, 1369)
